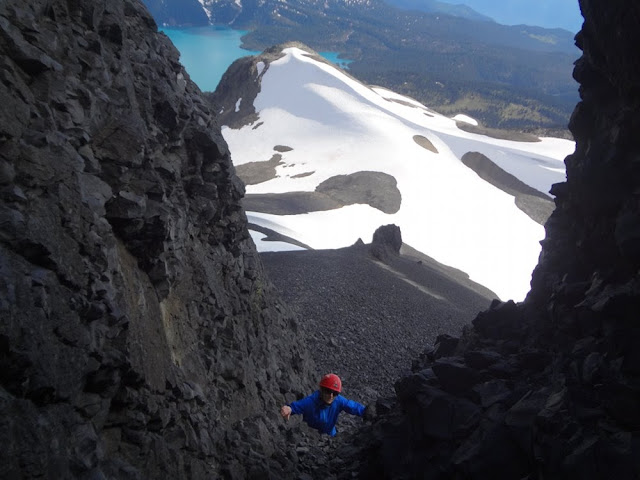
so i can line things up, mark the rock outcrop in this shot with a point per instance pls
(548, 388)
(387, 240)
(139, 335)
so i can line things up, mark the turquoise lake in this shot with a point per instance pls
(333, 57)
(207, 52)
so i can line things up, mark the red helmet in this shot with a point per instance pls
(332, 382)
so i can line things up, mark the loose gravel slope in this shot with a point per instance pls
(366, 320)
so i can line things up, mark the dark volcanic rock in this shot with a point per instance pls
(141, 339)
(548, 388)
(380, 190)
(387, 240)
(139, 336)
(376, 189)
(366, 319)
(535, 204)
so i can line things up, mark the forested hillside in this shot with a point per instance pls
(508, 77)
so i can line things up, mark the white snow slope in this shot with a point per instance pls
(338, 126)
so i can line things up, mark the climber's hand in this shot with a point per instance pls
(285, 411)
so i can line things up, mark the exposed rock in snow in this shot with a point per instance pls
(338, 127)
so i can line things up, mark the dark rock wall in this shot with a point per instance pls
(596, 226)
(138, 330)
(549, 388)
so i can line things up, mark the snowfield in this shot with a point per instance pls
(335, 125)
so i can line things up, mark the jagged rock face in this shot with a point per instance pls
(548, 388)
(597, 216)
(138, 329)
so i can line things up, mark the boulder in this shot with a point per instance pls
(387, 240)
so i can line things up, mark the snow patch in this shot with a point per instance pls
(260, 67)
(238, 104)
(466, 119)
(335, 125)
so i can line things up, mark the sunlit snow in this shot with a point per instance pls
(335, 126)
(465, 118)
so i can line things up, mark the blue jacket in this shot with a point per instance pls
(321, 416)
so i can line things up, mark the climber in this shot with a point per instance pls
(320, 410)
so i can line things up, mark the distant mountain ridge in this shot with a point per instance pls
(329, 14)
(434, 6)
(515, 77)
(183, 13)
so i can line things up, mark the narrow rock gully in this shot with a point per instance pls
(365, 316)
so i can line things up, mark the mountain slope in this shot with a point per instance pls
(358, 309)
(434, 6)
(185, 12)
(516, 77)
(362, 157)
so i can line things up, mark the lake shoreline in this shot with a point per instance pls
(206, 52)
